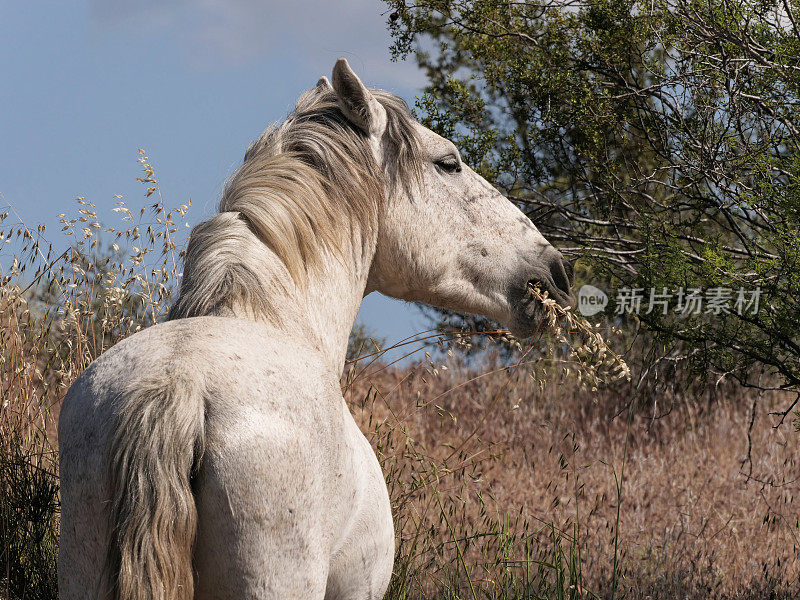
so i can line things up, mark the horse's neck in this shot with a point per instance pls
(321, 312)
(332, 301)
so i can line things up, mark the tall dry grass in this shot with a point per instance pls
(63, 301)
(561, 491)
(522, 479)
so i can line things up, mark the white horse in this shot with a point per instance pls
(213, 456)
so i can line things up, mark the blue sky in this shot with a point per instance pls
(84, 84)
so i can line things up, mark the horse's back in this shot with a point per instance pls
(240, 367)
(270, 414)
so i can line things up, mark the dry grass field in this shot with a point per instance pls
(689, 515)
(504, 485)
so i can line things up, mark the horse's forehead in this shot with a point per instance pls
(432, 141)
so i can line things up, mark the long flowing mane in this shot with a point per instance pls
(302, 189)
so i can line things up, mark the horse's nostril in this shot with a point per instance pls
(570, 272)
(562, 274)
(557, 277)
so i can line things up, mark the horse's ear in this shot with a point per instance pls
(356, 101)
(323, 85)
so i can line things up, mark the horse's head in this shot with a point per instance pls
(450, 238)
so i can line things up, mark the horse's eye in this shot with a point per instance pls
(449, 164)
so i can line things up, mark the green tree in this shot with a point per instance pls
(656, 141)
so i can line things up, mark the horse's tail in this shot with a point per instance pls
(155, 446)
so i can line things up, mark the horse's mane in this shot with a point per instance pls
(303, 187)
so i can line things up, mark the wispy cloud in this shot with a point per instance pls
(312, 34)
